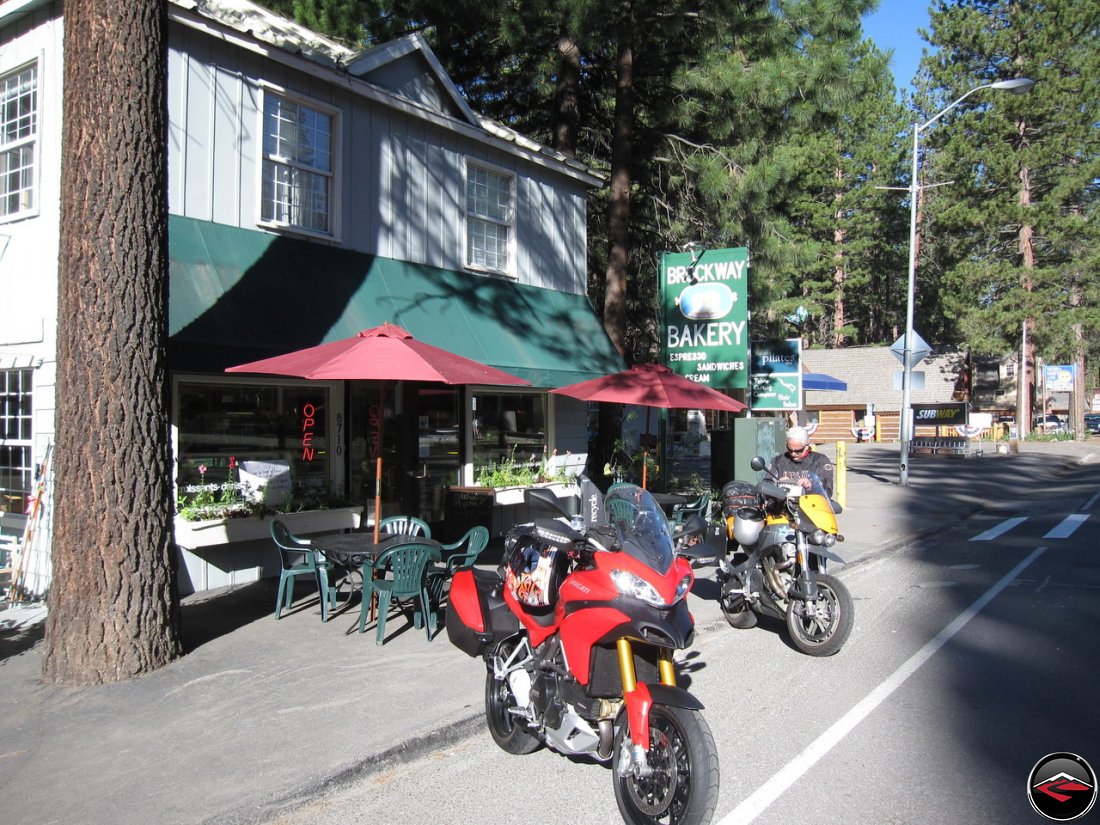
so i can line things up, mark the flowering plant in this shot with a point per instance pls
(236, 499)
(511, 473)
(230, 499)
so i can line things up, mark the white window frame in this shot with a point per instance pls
(22, 387)
(29, 195)
(332, 232)
(508, 222)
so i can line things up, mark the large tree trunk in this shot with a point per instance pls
(113, 609)
(1025, 401)
(840, 274)
(618, 223)
(568, 95)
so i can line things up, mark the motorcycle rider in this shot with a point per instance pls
(799, 461)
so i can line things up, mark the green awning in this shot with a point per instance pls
(237, 295)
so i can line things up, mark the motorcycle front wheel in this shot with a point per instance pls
(681, 784)
(821, 628)
(507, 729)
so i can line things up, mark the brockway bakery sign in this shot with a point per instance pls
(704, 309)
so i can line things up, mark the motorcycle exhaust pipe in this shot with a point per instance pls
(607, 740)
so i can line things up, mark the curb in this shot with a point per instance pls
(402, 753)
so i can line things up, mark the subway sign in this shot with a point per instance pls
(705, 315)
(940, 415)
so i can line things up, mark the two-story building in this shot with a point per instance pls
(313, 192)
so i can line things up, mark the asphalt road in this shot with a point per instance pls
(974, 655)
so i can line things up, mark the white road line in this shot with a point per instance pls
(1088, 505)
(790, 773)
(1068, 525)
(1000, 529)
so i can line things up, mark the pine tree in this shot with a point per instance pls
(1013, 239)
(113, 608)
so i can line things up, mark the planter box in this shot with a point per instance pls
(498, 509)
(230, 552)
(507, 496)
(193, 534)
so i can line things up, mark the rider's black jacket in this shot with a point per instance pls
(785, 467)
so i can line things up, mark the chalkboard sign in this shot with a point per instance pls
(466, 507)
(269, 480)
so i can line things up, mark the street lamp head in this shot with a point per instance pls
(1017, 86)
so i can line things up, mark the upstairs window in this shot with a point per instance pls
(298, 165)
(18, 137)
(490, 219)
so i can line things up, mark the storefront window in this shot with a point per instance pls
(267, 431)
(438, 448)
(509, 427)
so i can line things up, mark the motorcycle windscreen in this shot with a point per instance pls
(640, 526)
(817, 507)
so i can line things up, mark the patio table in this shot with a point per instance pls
(349, 551)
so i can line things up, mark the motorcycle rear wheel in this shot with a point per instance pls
(682, 788)
(824, 633)
(507, 730)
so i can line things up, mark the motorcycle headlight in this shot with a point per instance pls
(818, 537)
(630, 584)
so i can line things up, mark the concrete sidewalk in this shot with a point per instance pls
(260, 714)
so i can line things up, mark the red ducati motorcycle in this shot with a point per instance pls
(577, 628)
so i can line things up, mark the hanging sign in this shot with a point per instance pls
(705, 315)
(776, 375)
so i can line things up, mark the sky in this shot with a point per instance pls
(894, 26)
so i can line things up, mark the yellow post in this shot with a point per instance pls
(840, 474)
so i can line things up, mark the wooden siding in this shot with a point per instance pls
(401, 180)
(833, 425)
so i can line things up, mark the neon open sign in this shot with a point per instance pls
(309, 421)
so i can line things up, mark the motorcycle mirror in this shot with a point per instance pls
(758, 463)
(543, 499)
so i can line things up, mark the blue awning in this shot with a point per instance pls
(822, 381)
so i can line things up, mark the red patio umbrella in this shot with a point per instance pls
(382, 353)
(651, 385)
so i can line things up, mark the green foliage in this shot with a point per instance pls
(774, 125)
(627, 465)
(512, 473)
(1014, 237)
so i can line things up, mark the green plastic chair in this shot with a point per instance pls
(399, 574)
(623, 510)
(699, 507)
(474, 541)
(298, 558)
(405, 526)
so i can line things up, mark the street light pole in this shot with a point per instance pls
(905, 425)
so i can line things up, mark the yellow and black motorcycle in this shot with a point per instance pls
(780, 535)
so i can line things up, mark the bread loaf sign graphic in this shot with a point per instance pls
(706, 301)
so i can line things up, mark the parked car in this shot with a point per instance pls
(1049, 423)
(1092, 423)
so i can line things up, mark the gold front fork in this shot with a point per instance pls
(665, 667)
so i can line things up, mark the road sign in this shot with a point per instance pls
(918, 351)
(916, 380)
